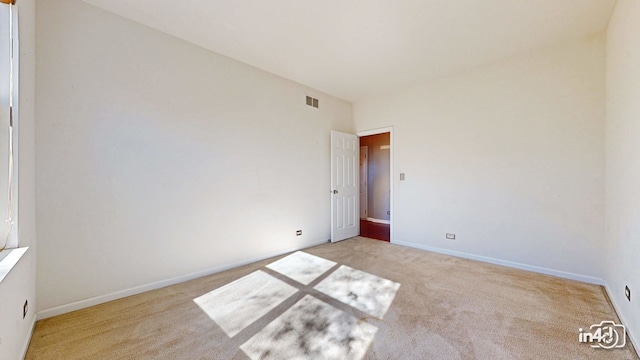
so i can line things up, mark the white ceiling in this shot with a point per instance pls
(357, 49)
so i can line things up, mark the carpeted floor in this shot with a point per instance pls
(435, 307)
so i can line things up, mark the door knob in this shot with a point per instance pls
(335, 191)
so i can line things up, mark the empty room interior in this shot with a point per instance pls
(319, 179)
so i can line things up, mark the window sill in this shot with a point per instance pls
(8, 260)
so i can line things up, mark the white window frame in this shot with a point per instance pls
(9, 84)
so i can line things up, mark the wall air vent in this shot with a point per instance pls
(312, 101)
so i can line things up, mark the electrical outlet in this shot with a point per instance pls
(627, 292)
(451, 236)
(25, 309)
(298, 232)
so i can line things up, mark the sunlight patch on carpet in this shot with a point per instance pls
(369, 293)
(302, 267)
(238, 304)
(311, 329)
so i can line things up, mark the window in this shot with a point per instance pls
(8, 124)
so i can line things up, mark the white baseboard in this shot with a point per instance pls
(634, 341)
(85, 303)
(27, 341)
(379, 221)
(541, 270)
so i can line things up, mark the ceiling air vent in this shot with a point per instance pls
(312, 101)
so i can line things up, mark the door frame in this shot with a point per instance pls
(388, 129)
(364, 197)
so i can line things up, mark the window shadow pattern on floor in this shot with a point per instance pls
(310, 328)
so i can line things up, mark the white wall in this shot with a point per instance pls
(623, 162)
(20, 283)
(157, 158)
(509, 157)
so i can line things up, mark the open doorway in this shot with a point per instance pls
(375, 186)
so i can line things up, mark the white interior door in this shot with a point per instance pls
(344, 186)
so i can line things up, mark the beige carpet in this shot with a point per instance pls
(444, 308)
